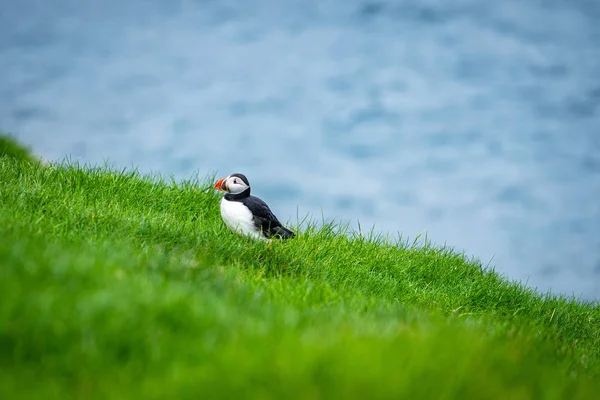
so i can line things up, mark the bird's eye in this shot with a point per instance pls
(235, 181)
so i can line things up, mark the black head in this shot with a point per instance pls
(234, 185)
(242, 177)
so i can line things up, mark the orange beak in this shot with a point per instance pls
(220, 185)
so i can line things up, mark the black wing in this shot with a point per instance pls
(265, 220)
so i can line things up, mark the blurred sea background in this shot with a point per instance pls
(475, 122)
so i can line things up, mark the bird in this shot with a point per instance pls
(248, 215)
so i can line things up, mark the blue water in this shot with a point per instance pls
(477, 123)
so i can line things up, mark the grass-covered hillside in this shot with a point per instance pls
(117, 285)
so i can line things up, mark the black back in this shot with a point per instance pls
(262, 216)
(265, 220)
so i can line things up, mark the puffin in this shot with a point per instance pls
(248, 215)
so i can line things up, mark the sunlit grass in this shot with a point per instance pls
(115, 284)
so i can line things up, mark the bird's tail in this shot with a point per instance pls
(282, 232)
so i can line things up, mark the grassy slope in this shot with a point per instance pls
(117, 284)
(10, 147)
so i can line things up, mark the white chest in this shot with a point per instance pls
(238, 218)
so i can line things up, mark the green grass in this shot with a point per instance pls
(114, 284)
(9, 147)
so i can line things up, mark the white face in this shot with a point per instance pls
(235, 185)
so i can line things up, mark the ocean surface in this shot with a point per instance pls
(476, 123)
